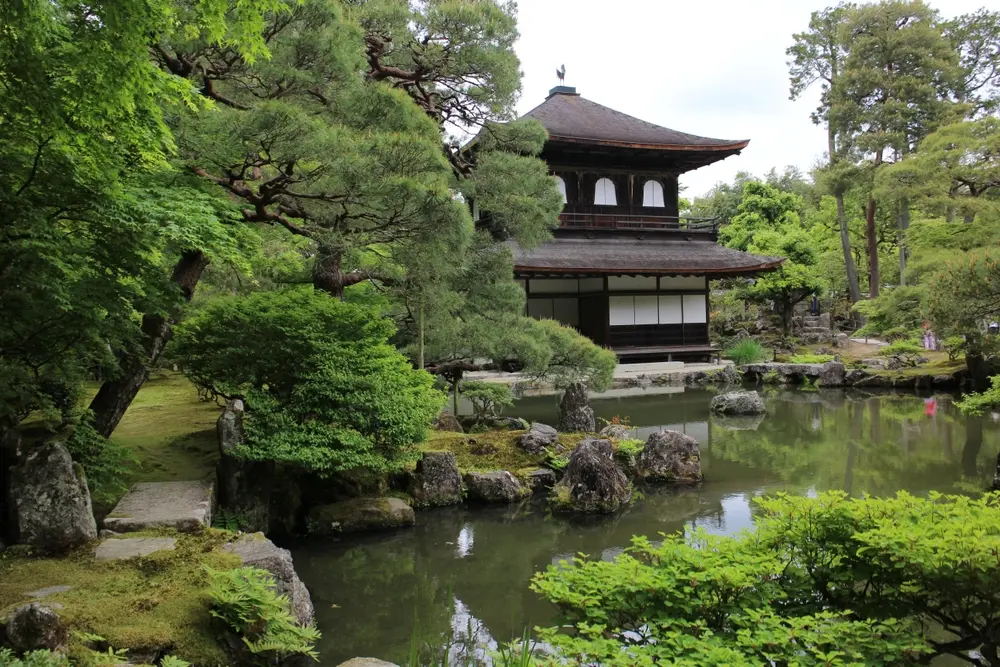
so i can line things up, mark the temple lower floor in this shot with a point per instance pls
(637, 316)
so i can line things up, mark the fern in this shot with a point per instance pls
(246, 601)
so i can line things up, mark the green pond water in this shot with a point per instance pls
(460, 577)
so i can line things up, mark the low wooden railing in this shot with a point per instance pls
(628, 222)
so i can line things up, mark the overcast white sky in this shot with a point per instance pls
(710, 67)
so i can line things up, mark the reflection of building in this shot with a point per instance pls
(624, 268)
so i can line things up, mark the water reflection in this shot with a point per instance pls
(460, 577)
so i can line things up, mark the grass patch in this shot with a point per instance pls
(159, 601)
(170, 431)
(939, 366)
(492, 450)
(809, 358)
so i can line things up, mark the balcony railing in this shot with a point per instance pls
(631, 222)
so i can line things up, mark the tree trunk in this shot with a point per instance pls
(116, 395)
(873, 277)
(903, 221)
(786, 317)
(420, 334)
(873, 273)
(327, 273)
(979, 370)
(845, 243)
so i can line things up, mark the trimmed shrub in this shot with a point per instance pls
(571, 357)
(323, 388)
(488, 398)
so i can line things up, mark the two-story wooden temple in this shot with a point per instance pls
(623, 267)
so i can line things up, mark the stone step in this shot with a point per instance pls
(183, 506)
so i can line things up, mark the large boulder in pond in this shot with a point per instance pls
(499, 486)
(592, 483)
(738, 403)
(255, 550)
(51, 500)
(34, 627)
(538, 437)
(670, 456)
(437, 480)
(359, 514)
(575, 413)
(832, 374)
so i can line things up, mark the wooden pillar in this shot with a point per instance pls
(671, 192)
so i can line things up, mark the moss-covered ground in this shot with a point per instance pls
(170, 431)
(492, 450)
(159, 601)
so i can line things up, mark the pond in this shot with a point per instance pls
(460, 577)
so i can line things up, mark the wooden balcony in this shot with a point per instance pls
(636, 222)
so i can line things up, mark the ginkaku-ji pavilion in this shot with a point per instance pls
(623, 267)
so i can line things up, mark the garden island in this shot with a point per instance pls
(314, 350)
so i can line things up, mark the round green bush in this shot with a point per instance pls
(323, 388)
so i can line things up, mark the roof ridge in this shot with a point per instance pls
(576, 117)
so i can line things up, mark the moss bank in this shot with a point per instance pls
(492, 450)
(156, 602)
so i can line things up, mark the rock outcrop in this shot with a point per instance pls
(255, 550)
(495, 487)
(670, 456)
(437, 480)
(575, 413)
(35, 626)
(51, 500)
(592, 483)
(832, 374)
(538, 437)
(738, 403)
(359, 514)
(449, 422)
(615, 432)
(541, 479)
(265, 495)
(722, 377)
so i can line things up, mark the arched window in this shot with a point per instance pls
(604, 193)
(561, 184)
(652, 194)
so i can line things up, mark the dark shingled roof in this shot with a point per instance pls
(656, 255)
(569, 117)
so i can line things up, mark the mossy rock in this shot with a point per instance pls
(359, 514)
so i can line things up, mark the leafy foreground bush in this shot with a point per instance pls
(980, 403)
(745, 351)
(43, 658)
(323, 387)
(820, 581)
(245, 600)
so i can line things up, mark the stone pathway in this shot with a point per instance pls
(132, 547)
(183, 506)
